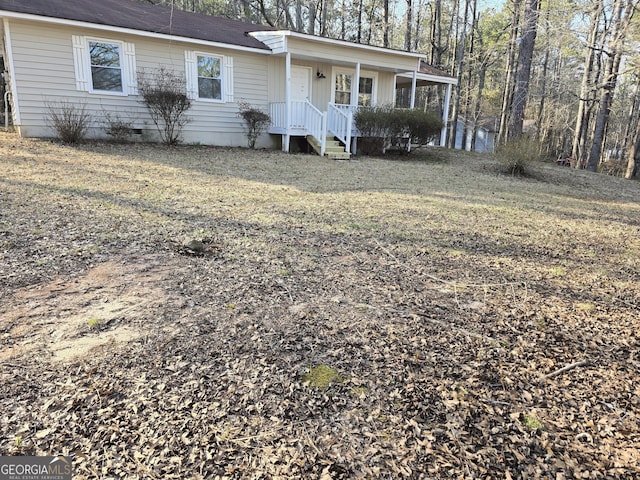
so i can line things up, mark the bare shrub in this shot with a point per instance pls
(256, 122)
(163, 92)
(118, 128)
(516, 156)
(69, 120)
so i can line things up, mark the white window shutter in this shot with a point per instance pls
(191, 74)
(81, 62)
(228, 79)
(130, 72)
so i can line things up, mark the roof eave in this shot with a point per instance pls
(333, 41)
(431, 78)
(129, 31)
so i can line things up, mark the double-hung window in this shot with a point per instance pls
(365, 94)
(344, 89)
(104, 66)
(209, 76)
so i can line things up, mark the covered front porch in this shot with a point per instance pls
(317, 85)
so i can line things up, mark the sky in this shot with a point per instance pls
(486, 4)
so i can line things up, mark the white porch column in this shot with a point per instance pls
(287, 99)
(445, 116)
(414, 82)
(355, 88)
(355, 95)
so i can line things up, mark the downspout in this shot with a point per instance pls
(8, 50)
(445, 116)
(287, 100)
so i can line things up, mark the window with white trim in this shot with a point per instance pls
(343, 89)
(209, 77)
(365, 93)
(104, 66)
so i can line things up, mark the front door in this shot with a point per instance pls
(300, 93)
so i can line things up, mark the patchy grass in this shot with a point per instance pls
(321, 376)
(443, 293)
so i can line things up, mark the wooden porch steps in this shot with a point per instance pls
(333, 148)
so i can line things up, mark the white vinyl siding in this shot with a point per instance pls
(45, 72)
(104, 66)
(209, 77)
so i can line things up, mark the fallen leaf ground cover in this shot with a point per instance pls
(421, 317)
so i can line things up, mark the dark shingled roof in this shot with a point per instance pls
(424, 68)
(143, 16)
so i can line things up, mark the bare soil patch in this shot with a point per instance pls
(463, 324)
(107, 305)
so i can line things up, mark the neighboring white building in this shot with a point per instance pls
(92, 53)
(486, 131)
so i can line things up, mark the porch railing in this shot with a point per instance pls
(317, 126)
(340, 123)
(305, 120)
(278, 113)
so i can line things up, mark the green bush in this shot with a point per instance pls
(516, 156)
(374, 122)
(422, 127)
(390, 126)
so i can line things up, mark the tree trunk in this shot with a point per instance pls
(523, 72)
(416, 33)
(311, 23)
(510, 70)
(543, 86)
(482, 75)
(582, 118)
(385, 24)
(324, 8)
(343, 18)
(407, 36)
(459, 72)
(436, 34)
(634, 154)
(620, 21)
(359, 35)
(469, 122)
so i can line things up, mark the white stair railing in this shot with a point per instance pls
(340, 124)
(304, 118)
(316, 125)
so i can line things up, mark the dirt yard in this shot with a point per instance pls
(420, 318)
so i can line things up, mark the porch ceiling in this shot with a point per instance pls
(338, 52)
(340, 62)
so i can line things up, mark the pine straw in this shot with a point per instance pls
(447, 298)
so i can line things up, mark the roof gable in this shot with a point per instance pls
(145, 17)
